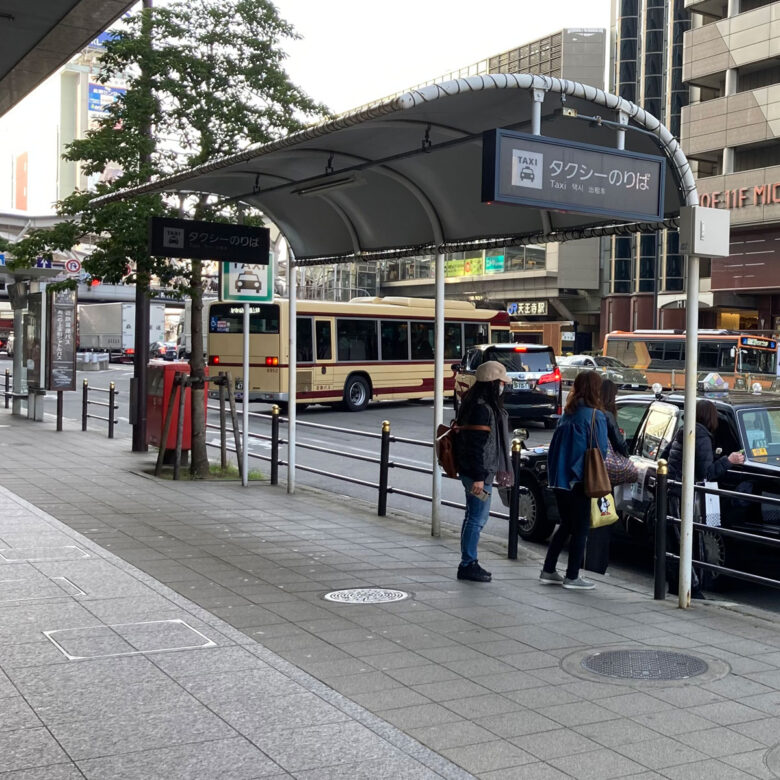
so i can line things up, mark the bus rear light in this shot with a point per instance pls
(555, 376)
(272, 361)
(213, 360)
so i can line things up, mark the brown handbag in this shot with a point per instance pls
(595, 477)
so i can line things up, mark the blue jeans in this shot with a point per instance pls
(477, 512)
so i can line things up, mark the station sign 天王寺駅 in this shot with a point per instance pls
(550, 173)
(197, 240)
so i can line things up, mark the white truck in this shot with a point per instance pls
(110, 327)
(184, 330)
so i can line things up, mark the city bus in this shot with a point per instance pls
(740, 358)
(347, 352)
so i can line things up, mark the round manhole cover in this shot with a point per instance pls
(645, 665)
(366, 596)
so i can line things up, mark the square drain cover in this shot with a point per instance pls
(37, 588)
(33, 554)
(153, 636)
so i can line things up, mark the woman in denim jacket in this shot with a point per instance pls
(565, 466)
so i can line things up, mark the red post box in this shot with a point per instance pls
(160, 376)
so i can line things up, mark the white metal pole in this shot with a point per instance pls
(245, 404)
(292, 383)
(438, 392)
(689, 431)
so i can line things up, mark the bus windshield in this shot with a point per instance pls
(757, 361)
(229, 318)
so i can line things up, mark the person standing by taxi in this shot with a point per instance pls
(482, 455)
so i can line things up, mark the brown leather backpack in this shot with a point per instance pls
(445, 445)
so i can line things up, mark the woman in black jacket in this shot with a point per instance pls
(706, 468)
(482, 455)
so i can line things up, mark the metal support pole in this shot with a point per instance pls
(222, 423)
(111, 409)
(536, 111)
(275, 444)
(84, 404)
(7, 386)
(514, 502)
(245, 404)
(16, 403)
(659, 562)
(438, 394)
(59, 407)
(292, 384)
(180, 425)
(384, 466)
(689, 431)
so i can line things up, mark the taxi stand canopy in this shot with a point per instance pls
(403, 177)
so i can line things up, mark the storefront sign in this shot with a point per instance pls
(528, 307)
(494, 264)
(61, 353)
(741, 197)
(472, 266)
(551, 173)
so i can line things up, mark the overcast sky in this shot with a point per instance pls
(356, 51)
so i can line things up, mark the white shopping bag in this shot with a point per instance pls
(711, 506)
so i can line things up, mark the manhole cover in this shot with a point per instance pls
(366, 596)
(645, 665)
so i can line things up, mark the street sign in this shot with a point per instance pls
(551, 173)
(61, 351)
(246, 282)
(42, 263)
(193, 239)
(72, 266)
(2, 258)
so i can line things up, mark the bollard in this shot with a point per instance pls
(59, 409)
(111, 405)
(384, 465)
(222, 423)
(183, 385)
(84, 404)
(514, 502)
(275, 444)
(661, 489)
(7, 386)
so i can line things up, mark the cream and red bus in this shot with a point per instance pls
(347, 353)
(740, 358)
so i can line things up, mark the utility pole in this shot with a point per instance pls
(141, 357)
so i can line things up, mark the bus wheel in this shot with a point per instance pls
(356, 394)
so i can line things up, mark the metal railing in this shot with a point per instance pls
(662, 554)
(86, 403)
(383, 462)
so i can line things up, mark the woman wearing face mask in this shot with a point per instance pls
(482, 455)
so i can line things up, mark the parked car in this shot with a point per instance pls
(163, 350)
(535, 392)
(610, 368)
(649, 422)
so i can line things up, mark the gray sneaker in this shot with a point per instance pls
(550, 578)
(578, 584)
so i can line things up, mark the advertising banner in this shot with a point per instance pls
(61, 353)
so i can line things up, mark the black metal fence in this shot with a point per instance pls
(663, 554)
(88, 404)
(383, 461)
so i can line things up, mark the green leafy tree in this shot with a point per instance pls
(205, 79)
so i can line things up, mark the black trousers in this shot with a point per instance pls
(574, 511)
(673, 544)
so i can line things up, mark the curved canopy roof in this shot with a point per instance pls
(405, 175)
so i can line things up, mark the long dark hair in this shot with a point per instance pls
(486, 391)
(608, 395)
(707, 414)
(586, 390)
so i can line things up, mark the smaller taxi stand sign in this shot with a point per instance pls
(248, 282)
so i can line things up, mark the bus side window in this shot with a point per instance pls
(303, 342)
(324, 349)
(422, 340)
(452, 341)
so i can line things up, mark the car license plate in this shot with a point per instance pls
(635, 386)
(518, 385)
(239, 384)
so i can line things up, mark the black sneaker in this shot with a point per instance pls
(474, 572)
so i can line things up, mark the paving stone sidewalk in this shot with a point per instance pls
(107, 573)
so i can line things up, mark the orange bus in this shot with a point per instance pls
(740, 358)
(348, 353)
